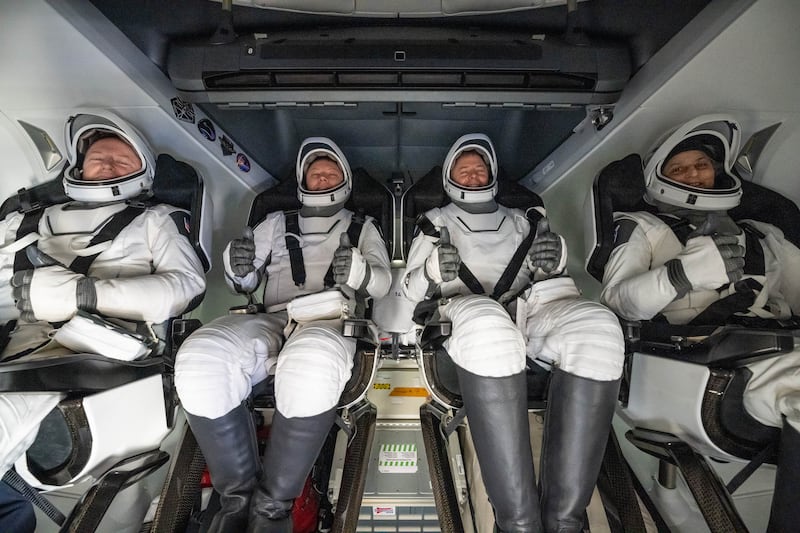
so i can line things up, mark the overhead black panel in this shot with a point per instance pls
(399, 64)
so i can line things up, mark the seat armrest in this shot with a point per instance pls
(716, 346)
(77, 374)
(434, 333)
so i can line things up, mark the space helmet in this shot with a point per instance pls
(480, 143)
(716, 135)
(84, 129)
(311, 149)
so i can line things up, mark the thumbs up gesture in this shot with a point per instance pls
(548, 251)
(242, 253)
(444, 262)
(342, 260)
(349, 266)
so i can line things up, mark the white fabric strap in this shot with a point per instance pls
(19, 244)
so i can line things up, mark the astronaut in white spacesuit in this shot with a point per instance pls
(109, 251)
(690, 262)
(474, 239)
(294, 253)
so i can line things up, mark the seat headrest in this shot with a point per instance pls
(427, 192)
(618, 187)
(175, 182)
(765, 205)
(368, 197)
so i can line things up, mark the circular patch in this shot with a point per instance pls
(207, 129)
(243, 163)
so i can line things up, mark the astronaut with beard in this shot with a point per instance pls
(460, 252)
(691, 263)
(294, 253)
(108, 250)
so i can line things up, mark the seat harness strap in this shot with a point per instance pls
(512, 269)
(293, 246)
(111, 229)
(29, 224)
(80, 265)
(15, 481)
(292, 222)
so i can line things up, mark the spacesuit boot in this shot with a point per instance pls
(576, 427)
(497, 412)
(230, 449)
(785, 513)
(293, 446)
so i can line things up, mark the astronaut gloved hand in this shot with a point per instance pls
(444, 262)
(242, 253)
(548, 253)
(706, 262)
(52, 293)
(349, 266)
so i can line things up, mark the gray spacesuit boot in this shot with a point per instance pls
(293, 446)
(230, 449)
(785, 513)
(576, 427)
(497, 412)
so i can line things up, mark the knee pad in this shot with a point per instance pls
(216, 367)
(772, 392)
(312, 371)
(485, 341)
(581, 337)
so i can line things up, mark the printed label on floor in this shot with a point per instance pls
(397, 458)
(384, 510)
(420, 392)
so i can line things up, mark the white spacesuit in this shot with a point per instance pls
(296, 253)
(692, 263)
(98, 253)
(579, 339)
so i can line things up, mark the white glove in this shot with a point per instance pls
(706, 262)
(444, 261)
(548, 252)
(48, 293)
(349, 266)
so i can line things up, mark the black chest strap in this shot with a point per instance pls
(29, 224)
(515, 265)
(80, 265)
(681, 227)
(754, 262)
(108, 232)
(296, 262)
(512, 269)
(293, 246)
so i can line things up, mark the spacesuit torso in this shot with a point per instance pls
(486, 243)
(148, 271)
(633, 269)
(319, 239)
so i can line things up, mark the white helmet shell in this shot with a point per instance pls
(717, 134)
(80, 132)
(311, 149)
(480, 143)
